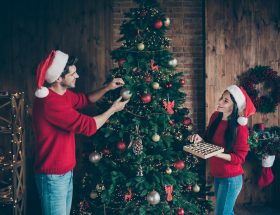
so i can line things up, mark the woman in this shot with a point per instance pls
(227, 128)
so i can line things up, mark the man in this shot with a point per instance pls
(56, 121)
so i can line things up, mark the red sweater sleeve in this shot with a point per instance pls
(78, 100)
(241, 147)
(67, 118)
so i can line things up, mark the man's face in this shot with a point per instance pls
(69, 81)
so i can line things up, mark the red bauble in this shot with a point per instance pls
(182, 81)
(158, 24)
(106, 151)
(168, 85)
(187, 121)
(148, 78)
(180, 211)
(121, 145)
(146, 98)
(189, 188)
(171, 122)
(179, 164)
(121, 61)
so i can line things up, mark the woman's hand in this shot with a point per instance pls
(195, 138)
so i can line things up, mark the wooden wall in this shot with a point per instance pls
(239, 35)
(30, 29)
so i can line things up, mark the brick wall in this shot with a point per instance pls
(187, 43)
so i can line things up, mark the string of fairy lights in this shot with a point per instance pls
(11, 159)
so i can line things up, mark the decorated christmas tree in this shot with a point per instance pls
(136, 163)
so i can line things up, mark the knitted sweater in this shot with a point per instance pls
(55, 122)
(220, 168)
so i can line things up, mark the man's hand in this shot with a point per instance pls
(118, 105)
(115, 83)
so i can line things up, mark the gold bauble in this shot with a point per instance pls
(196, 188)
(155, 85)
(141, 46)
(156, 138)
(168, 170)
(93, 195)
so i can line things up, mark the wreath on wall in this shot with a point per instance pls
(263, 86)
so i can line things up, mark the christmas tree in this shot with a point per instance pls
(136, 163)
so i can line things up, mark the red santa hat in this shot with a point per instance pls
(244, 103)
(49, 70)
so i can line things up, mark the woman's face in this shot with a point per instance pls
(225, 104)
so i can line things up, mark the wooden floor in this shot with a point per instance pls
(256, 210)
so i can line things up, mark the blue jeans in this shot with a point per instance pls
(226, 193)
(55, 193)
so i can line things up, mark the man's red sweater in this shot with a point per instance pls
(220, 168)
(55, 122)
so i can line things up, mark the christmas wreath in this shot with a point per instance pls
(263, 86)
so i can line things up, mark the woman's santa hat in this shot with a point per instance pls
(50, 70)
(244, 103)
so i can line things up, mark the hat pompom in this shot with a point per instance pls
(41, 93)
(242, 120)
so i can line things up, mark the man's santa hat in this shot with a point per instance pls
(244, 103)
(50, 70)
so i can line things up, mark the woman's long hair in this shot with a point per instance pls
(230, 132)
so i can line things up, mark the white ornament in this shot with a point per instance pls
(141, 46)
(196, 188)
(94, 157)
(155, 85)
(153, 198)
(125, 94)
(168, 171)
(173, 62)
(155, 137)
(167, 21)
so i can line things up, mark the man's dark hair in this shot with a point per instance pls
(72, 60)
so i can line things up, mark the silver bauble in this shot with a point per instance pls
(173, 62)
(166, 21)
(153, 197)
(93, 195)
(94, 157)
(125, 94)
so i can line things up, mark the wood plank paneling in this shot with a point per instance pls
(31, 29)
(240, 35)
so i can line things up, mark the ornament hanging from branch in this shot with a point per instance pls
(169, 190)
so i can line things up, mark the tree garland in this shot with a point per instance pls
(264, 103)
